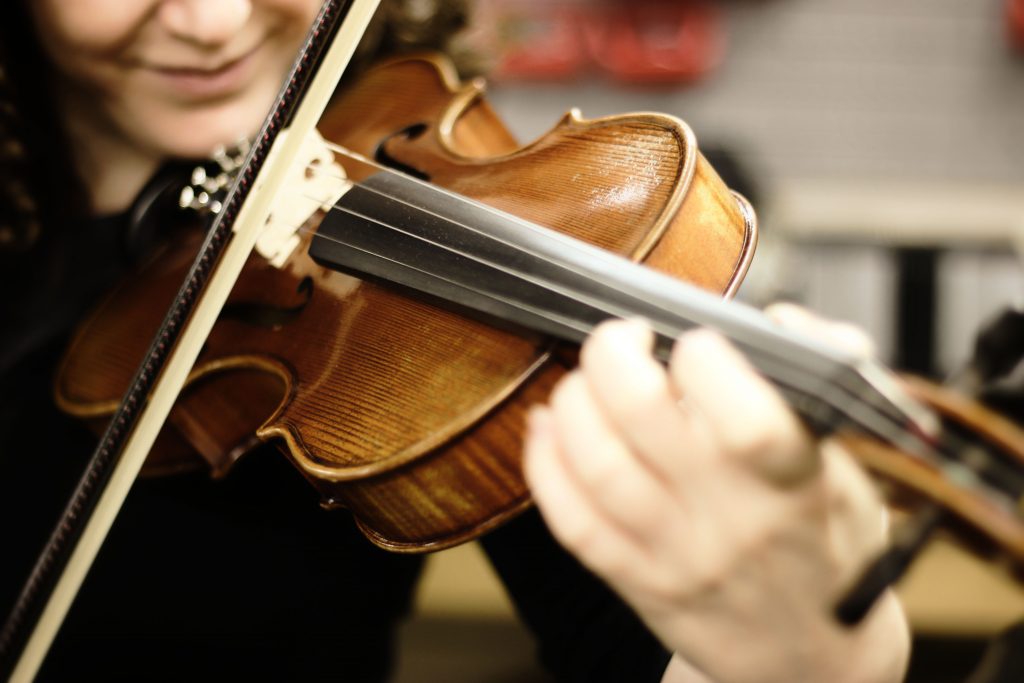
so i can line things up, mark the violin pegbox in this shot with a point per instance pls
(315, 183)
(210, 182)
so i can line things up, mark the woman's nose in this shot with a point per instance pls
(204, 22)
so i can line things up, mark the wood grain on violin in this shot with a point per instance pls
(407, 413)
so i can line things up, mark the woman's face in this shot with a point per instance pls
(171, 77)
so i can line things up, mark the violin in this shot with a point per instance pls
(397, 409)
(407, 410)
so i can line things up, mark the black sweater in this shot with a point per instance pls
(247, 577)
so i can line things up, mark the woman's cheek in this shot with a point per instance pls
(87, 26)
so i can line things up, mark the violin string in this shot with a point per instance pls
(931, 446)
(580, 327)
(947, 451)
(568, 241)
(437, 188)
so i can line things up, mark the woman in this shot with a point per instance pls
(199, 579)
(202, 579)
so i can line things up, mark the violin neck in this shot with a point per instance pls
(399, 230)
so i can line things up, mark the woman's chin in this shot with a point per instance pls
(196, 135)
(204, 149)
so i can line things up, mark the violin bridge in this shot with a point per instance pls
(315, 182)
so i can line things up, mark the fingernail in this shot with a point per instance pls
(638, 331)
(702, 338)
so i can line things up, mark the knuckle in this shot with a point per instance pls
(665, 585)
(602, 476)
(771, 444)
(638, 400)
(753, 438)
(704, 579)
(621, 487)
(577, 533)
(618, 568)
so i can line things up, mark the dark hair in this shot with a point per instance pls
(38, 186)
(404, 26)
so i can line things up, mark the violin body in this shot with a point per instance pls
(406, 413)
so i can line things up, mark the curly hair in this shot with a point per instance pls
(39, 191)
(403, 26)
(34, 164)
(18, 210)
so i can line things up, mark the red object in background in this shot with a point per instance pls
(537, 39)
(667, 41)
(1015, 23)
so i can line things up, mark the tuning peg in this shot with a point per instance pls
(187, 196)
(205, 193)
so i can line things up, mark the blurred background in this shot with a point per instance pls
(882, 144)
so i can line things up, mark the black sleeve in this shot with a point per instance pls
(1004, 659)
(244, 578)
(584, 631)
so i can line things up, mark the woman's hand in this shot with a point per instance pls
(698, 496)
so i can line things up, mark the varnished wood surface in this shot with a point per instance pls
(988, 523)
(407, 414)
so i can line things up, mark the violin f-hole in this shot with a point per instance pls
(265, 315)
(382, 157)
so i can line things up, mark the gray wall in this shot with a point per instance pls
(852, 93)
(894, 88)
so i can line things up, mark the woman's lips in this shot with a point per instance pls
(201, 83)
